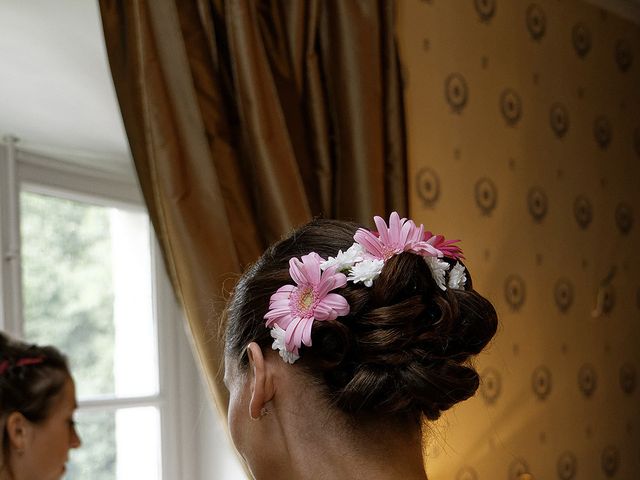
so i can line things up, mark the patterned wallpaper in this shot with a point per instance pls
(524, 141)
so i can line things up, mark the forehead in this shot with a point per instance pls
(67, 397)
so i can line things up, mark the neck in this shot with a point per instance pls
(5, 474)
(378, 456)
(328, 448)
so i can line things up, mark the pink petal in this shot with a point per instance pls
(296, 338)
(340, 280)
(455, 254)
(278, 312)
(288, 335)
(435, 239)
(282, 319)
(418, 234)
(383, 230)
(331, 307)
(406, 234)
(293, 336)
(395, 229)
(395, 222)
(281, 297)
(330, 281)
(370, 242)
(447, 247)
(328, 273)
(284, 291)
(312, 268)
(423, 248)
(295, 270)
(306, 332)
(279, 304)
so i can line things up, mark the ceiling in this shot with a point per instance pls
(56, 93)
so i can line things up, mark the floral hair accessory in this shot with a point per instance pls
(21, 362)
(294, 308)
(447, 247)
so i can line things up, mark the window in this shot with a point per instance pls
(86, 288)
(82, 272)
(80, 269)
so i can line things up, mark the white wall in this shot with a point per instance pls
(206, 450)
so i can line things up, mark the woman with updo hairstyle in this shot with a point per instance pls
(340, 341)
(37, 402)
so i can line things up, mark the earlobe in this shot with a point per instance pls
(16, 427)
(261, 391)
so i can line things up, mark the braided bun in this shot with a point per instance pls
(404, 348)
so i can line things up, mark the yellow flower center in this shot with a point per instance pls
(306, 299)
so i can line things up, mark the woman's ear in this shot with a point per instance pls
(17, 428)
(261, 382)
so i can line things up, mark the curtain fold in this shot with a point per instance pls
(245, 119)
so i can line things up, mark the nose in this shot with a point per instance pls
(75, 440)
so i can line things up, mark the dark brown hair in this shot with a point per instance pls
(28, 389)
(402, 351)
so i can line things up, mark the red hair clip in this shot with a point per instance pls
(21, 362)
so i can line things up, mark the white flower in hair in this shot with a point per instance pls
(457, 276)
(278, 335)
(345, 260)
(438, 269)
(366, 271)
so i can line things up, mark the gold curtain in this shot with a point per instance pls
(246, 118)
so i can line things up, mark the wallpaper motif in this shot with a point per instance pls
(524, 140)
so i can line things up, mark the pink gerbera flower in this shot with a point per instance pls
(401, 235)
(294, 307)
(447, 247)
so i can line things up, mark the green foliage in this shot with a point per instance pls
(68, 302)
(97, 457)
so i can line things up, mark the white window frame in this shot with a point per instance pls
(108, 183)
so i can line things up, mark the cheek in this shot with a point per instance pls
(49, 452)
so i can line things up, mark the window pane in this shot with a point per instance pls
(96, 458)
(124, 444)
(138, 440)
(87, 289)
